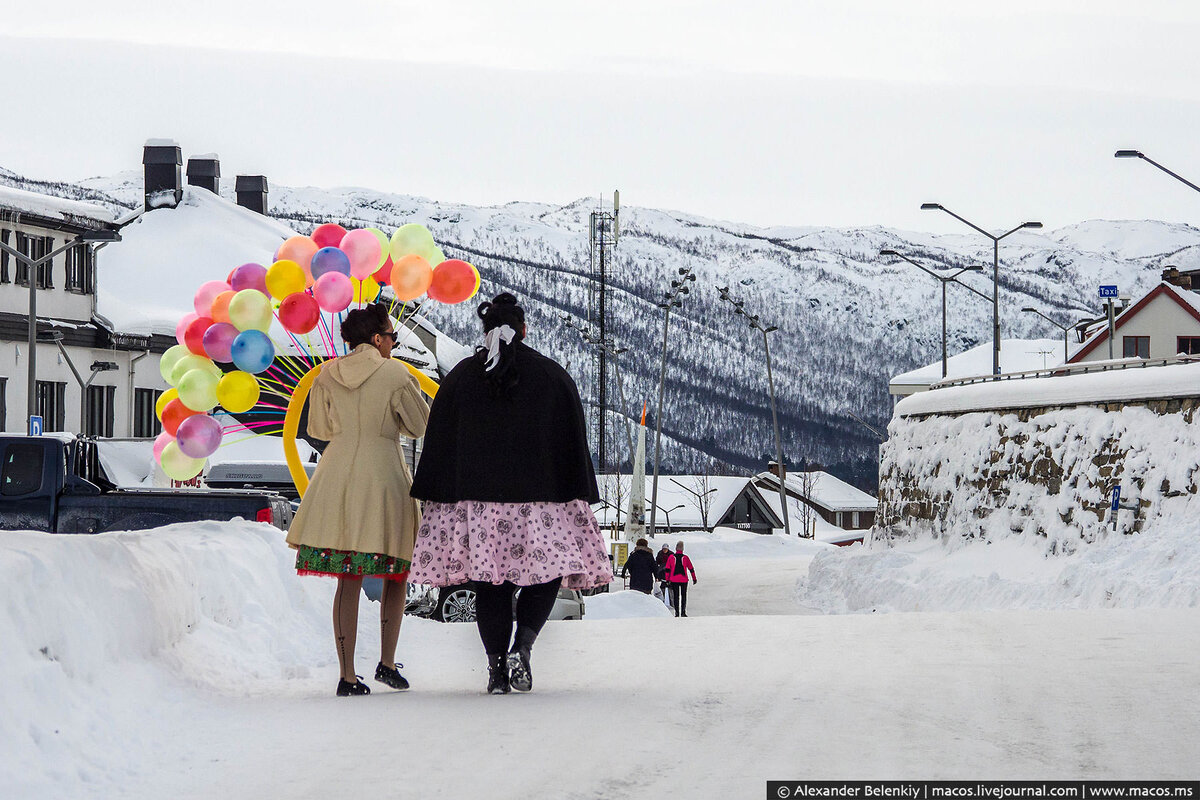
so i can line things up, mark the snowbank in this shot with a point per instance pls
(735, 543)
(624, 605)
(1155, 569)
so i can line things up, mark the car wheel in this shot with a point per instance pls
(457, 605)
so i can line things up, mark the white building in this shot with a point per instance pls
(1162, 323)
(1016, 355)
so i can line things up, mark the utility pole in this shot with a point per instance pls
(672, 298)
(603, 232)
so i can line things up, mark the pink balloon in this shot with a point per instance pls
(364, 250)
(160, 442)
(181, 328)
(249, 276)
(328, 235)
(205, 296)
(218, 340)
(199, 436)
(333, 291)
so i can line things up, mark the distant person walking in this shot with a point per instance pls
(678, 566)
(357, 517)
(661, 560)
(641, 568)
(508, 482)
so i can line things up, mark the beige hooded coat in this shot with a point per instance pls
(359, 497)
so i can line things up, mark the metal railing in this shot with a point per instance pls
(1071, 369)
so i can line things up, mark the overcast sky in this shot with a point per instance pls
(796, 113)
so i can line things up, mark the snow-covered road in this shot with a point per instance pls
(190, 662)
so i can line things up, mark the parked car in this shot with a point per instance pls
(55, 483)
(457, 603)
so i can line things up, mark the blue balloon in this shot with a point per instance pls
(330, 259)
(252, 351)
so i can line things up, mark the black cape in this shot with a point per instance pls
(529, 446)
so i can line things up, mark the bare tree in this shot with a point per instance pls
(701, 489)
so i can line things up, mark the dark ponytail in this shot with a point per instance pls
(502, 310)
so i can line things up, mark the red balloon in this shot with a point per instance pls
(299, 312)
(193, 335)
(175, 413)
(328, 235)
(453, 282)
(385, 273)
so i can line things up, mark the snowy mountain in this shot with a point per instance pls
(848, 320)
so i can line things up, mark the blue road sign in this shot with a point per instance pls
(1108, 291)
(35, 425)
(1116, 497)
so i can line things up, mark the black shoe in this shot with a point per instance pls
(520, 675)
(348, 689)
(498, 674)
(390, 676)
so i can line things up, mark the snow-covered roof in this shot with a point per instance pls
(449, 352)
(45, 205)
(146, 282)
(827, 491)
(1179, 380)
(1016, 355)
(673, 490)
(1189, 300)
(800, 516)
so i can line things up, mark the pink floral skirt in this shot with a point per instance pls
(525, 543)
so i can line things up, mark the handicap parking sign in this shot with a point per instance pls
(35, 425)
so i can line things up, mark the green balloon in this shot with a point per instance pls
(169, 359)
(411, 239)
(190, 362)
(178, 465)
(385, 246)
(198, 390)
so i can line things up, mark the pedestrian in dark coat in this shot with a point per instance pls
(641, 568)
(661, 560)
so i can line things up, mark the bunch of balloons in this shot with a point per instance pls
(231, 323)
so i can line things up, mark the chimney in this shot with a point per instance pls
(161, 160)
(252, 192)
(205, 171)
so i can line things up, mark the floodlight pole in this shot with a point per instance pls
(1144, 157)
(1065, 329)
(673, 298)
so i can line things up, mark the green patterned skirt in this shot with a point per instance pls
(331, 563)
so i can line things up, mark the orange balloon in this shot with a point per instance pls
(410, 277)
(453, 281)
(220, 306)
(174, 414)
(301, 250)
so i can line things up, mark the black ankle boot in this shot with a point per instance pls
(390, 676)
(520, 675)
(497, 674)
(348, 689)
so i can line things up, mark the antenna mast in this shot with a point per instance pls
(603, 230)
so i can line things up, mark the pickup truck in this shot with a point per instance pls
(55, 483)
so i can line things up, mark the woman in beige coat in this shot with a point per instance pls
(357, 517)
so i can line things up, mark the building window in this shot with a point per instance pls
(1190, 345)
(23, 247)
(4, 235)
(854, 520)
(3, 404)
(1136, 347)
(33, 248)
(838, 519)
(79, 277)
(100, 410)
(145, 423)
(52, 405)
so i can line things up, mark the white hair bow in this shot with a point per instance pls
(491, 341)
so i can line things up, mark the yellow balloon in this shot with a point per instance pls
(190, 362)
(478, 280)
(198, 390)
(249, 310)
(365, 290)
(285, 277)
(178, 465)
(238, 392)
(163, 399)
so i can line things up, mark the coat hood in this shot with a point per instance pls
(354, 369)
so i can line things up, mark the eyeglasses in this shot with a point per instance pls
(391, 334)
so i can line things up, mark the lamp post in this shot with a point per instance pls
(673, 298)
(590, 339)
(1066, 329)
(1143, 157)
(31, 267)
(944, 280)
(758, 326)
(995, 272)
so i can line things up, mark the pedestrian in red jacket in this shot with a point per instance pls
(678, 566)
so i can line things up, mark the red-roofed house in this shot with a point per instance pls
(1163, 323)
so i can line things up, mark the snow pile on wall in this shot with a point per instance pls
(98, 629)
(1155, 569)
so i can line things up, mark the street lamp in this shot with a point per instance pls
(1143, 157)
(738, 308)
(31, 266)
(97, 367)
(590, 339)
(1064, 328)
(995, 272)
(672, 298)
(944, 280)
